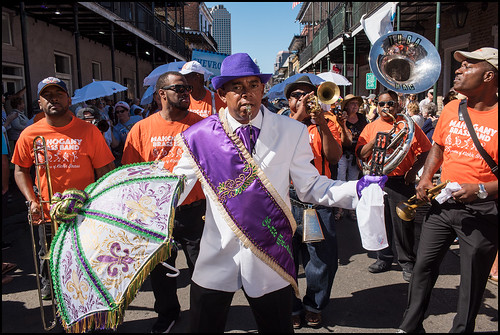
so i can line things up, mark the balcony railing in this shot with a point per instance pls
(143, 18)
(333, 27)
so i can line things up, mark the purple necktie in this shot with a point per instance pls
(248, 135)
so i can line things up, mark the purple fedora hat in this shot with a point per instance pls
(237, 66)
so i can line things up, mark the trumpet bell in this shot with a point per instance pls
(328, 92)
(405, 62)
(405, 211)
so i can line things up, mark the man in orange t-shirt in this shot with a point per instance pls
(320, 259)
(76, 150)
(399, 186)
(153, 139)
(471, 214)
(203, 101)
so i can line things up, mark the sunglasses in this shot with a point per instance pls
(389, 103)
(179, 88)
(297, 95)
(118, 111)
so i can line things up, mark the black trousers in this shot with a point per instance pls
(209, 309)
(476, 226)
(188, 228)
(400, 233)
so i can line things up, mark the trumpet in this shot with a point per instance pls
(40, 149)
(407, 210)
(328, 93)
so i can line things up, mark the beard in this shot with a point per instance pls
(180, 105)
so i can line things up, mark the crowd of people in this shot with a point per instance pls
(302, 157)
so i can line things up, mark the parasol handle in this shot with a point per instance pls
(170, 267)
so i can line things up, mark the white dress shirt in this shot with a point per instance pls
(283, 153)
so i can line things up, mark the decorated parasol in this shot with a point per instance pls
(106, 247)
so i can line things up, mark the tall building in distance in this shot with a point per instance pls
(221, 29)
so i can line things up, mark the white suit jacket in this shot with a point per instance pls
(283, 153)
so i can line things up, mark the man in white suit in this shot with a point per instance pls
(245, 158)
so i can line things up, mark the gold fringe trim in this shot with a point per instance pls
(113, 318)
(262, 256)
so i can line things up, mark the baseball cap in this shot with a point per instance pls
(51, 81)
(122, 104)
(489, 55)
(194, 66)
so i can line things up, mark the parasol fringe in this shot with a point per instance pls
(113, 318)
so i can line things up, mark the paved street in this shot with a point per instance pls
(361, 302)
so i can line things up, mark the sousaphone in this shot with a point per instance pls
(404, 62)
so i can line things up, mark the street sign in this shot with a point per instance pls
(371, 81)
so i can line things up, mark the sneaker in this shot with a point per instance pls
(379, 266)
(313, 319)
(164, 325)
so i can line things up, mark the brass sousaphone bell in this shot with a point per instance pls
(404, 62)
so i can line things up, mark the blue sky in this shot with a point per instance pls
(261, 29)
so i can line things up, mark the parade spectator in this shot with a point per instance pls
(471, 214)
(20, 122)
(413, 111)
(6, 267)
(428, 98)
(412, 97)
(347, 167)
(429, 114)
(77, 153)
(9, 96)
(451, 95)
(319, 259)
(400, 185)
(152, 139)
(248, 231)
(372, 114)
(154, 106)
(124, 122)
(203, 101)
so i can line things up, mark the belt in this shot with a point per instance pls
(301, 204)
(191, 205)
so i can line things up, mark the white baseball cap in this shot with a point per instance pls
(489, 55)
(194, 66)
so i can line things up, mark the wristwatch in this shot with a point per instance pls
(482, 194)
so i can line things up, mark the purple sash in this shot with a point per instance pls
(252, 207)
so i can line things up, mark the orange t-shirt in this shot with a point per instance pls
(204, 107)
(315, 142)
(419, 144)
(73, 151)
(153, 138)
(462, 163)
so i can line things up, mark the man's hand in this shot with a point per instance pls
(36, 214)
(466, 194)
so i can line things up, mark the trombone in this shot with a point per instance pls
(41, 160)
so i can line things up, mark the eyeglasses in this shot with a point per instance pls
(179, 88)
(297, 95)
(389, 103)
(118, 111)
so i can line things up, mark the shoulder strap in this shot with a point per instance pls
(214, 109)
(463, 114)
